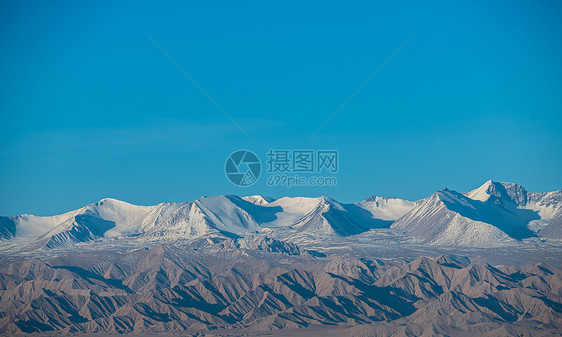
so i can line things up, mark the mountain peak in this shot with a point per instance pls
(259, 200)
(482, 193)
(110, 201)
(448, 196)
(111, 205)
(499, 192)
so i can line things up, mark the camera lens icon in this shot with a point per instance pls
(242, 168)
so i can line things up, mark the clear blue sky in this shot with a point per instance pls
(91, 108)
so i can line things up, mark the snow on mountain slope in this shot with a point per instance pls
(499, 193)
(226, 215)
(229, 215)
(548, 206)
(291, 210)
(328, 218)
(94, 221)
(83, 223)
(81, 228)
(206, 215)
(492, 215)
(433, 221)
(31, 226)
(259, 200)
(314, 218)
(128, 216)
(111, 218)
(174, 221)
(7, 227)
(160, 215)
(386, 208)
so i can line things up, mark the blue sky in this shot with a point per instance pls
(91, 108)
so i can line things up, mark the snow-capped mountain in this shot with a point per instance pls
(494, 214)
(449, 218)
(549, 208)
(387, 208)
(218, 215)
(259, 200)
(320, 218)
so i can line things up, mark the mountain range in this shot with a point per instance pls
(495, 214)
(486, 261)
